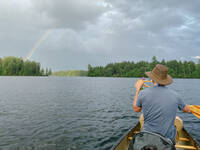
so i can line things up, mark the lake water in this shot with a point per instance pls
(75, 113)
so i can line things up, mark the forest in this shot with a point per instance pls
(13, 66)
(177, 69)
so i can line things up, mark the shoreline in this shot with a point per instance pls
(114, 77)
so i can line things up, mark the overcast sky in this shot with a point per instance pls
(70, 34)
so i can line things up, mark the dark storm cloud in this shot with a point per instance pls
(73, 14)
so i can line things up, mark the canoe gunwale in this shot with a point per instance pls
(126, 134)
(197, 143)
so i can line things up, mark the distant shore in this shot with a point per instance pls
(67, 74)
(177, 69)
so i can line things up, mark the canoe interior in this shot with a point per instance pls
(186, 142)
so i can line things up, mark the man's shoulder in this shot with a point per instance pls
(146, 91)
(173, 92)
(157, 89)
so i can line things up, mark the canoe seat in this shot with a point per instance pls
(179, 126)
(184, 139)
(141, 121)
(185, 147)
(130, 138)
(177, 145)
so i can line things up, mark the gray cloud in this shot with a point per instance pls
(73, 14)
(99, 32)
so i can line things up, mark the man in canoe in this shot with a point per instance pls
(159, 103)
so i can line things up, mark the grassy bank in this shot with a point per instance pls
(70, 73)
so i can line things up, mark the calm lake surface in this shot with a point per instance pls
(75, 113)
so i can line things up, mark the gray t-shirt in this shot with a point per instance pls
(159, 106)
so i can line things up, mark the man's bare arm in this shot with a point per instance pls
(136, 108)
(138, 86)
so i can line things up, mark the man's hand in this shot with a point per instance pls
(187, 109)
(138, 85)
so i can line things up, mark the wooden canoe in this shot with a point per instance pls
(183, 142)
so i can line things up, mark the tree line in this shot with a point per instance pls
(177, 69)
(13, 66)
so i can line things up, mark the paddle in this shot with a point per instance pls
(195, 109)
(148, 86)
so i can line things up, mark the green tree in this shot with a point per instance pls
(154, 62)
(14, 66)
(177, 69)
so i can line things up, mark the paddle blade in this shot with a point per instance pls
(195, 109)
(147, 86)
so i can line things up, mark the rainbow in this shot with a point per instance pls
(37, 44)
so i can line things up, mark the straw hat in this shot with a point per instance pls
(160, 75)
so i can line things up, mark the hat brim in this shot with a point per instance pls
(166, 81)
